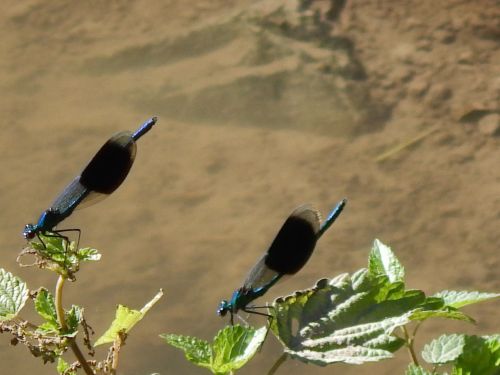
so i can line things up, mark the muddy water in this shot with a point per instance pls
(216, 177)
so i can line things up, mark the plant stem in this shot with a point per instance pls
(409, 345)
(58, 301)
(417, 326)
(62, 322)
(277, 364)
(80, 357)
(117, 344)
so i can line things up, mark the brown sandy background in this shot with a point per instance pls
(259, 112)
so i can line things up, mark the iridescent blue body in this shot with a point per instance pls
(288, 253)
(104, 173)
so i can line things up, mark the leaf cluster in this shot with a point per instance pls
(465, 354)
(231, 349)
(59, 328)
(57, 254)
(353, 318)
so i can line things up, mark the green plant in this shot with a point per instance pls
(60, 327)
(358, 318)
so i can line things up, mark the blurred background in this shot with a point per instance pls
(263, 106)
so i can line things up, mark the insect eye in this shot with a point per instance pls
(223, 308)
(29, 232)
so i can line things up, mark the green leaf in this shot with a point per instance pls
(232, 348)
(344, 319)
(447, 313)
(445, 349)
(88, 254)
(73, 319)
(458, 299)
(481, 356)
(46, 308)
(196, 351)
(48, 327)
(54, 248)
(436, 307)
(417, 370)
(382, 261)
(62, 257)
(63, 367)
(125, 320)
(13, 295)
(351, 318)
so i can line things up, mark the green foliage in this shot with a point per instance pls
(58, 331)
(232, 348)
(417, 370)
(445, 312)
(349, 318)
(196, 350)
(13, 295)
(73, 319)
(87, 254)
(64, 368)
(353, 319)
(460, 299)
(481, 356)
(55, 254)
(469, 355)
(125, 320)
(444, 349)
(46, 308)
(340, 320)
(382, 261)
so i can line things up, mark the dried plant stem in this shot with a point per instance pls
(393, 151)
(117, 344)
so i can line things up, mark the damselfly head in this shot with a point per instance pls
(224, 307)
(29, 232)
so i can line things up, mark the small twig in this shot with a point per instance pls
(87, 331)
(117, 345)
(62, 322)
(388, 154)
(277, 364)
(19, 320)
(409, 344)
